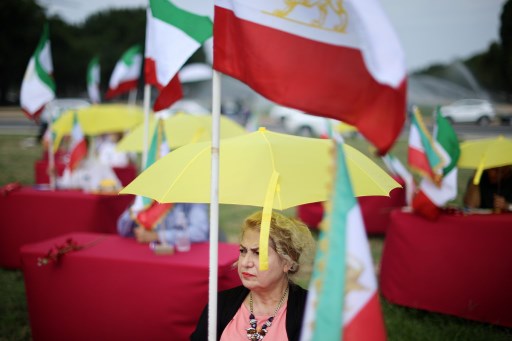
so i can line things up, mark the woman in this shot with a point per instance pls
(268, 304)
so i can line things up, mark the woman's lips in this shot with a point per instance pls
(247, 275)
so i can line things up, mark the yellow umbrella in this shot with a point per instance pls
(262, 168)
(180, 129)
(99, 119)
(484, 154)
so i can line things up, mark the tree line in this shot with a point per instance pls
(109, 33)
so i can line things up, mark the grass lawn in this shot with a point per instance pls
(17, 157)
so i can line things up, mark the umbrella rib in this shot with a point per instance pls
(183, 171)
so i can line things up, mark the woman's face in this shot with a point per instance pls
(248, 264)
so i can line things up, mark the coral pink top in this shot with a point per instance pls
(236, 328)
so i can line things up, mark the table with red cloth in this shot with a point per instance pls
(374, 209)
(458, 265)
(124, 174)
(118, 289)
(28, 215)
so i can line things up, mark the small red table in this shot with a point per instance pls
(29, 215)
(459, 265)
(125, 174)
(118, 289)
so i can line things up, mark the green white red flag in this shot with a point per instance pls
(93, 80)
(38, 86)
(343, 300)
(435, 195)
(342, 61)
(78, 145)
(126, 73)
(422, 156)
(173, 34)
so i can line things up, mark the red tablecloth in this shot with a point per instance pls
(125, 174)
(457, 265)
(29, 215)
(118, 289)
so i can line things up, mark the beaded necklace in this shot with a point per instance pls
(253, 333)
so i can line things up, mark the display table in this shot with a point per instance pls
(459, 265)
(124, 174)
(118, 289)
(29, 215)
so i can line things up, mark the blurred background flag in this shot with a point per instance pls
(78, 145)
(397, 169)
(343, 302)
(422, 156)
(172, 36)
(345, 64)
(126, 73)
(38, 86)
(432, 196)
(93, 80)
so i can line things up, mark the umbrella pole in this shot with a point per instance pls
(214, 210)
(51, 159)
(147, 97)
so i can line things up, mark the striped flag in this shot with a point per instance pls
(432, 195)
(173, 34)
(397, 169)
(38, 86)
(93, 80)
(78, 144)
(343, 302)
(337, 59)
(422, 155)
(126, 73)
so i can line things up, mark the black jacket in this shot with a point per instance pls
(229, 301)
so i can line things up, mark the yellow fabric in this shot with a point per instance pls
(98, 119)
(265, 220)
(485, 153)
(181, 129)
(247, 163)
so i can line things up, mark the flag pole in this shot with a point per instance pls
(147, 97)
(214, 209)
(51, 159)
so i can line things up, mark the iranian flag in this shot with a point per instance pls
(422, 155)
(337, 59)
(173, 34)
(78, 144)
(343, 302)
(397, 169)
(93, 80)
(126, 73)
(38, 86)
(432, 195)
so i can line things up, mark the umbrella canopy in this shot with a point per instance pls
(99, 119)
(180, 129)
(486, 153)
(258, 169)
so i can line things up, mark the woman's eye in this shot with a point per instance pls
(243, 251)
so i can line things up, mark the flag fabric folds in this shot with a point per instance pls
(126, 73)
(173, 34)
(342, 61)
(432, 195)
(397, 169)
(93, 80)
(343, 302)
(78, 145)
(38, 86)
(422, 155)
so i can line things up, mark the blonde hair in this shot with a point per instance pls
(289, 237)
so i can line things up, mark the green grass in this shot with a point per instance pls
(17, 156)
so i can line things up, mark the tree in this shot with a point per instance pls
(21, 24)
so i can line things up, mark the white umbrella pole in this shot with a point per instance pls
(147, 98)
(214, 210)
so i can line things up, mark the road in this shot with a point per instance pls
(14, 122)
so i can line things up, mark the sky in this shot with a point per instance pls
(431, 31)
